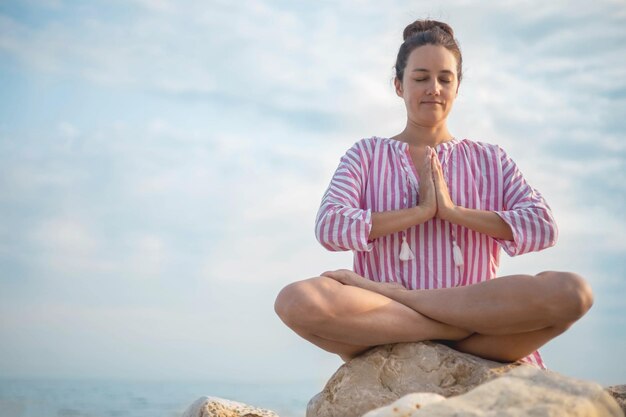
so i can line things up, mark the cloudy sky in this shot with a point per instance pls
(162, 162)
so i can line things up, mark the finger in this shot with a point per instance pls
(435, 170)
(436, 161)
(438, 169)
(427, 165)
(338, 274)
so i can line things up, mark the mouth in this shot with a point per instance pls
(431, 102)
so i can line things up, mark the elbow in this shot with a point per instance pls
(553, 235)
(325, 239)
(551, 241)
(321, 230)
(326, 243)
(321, 239)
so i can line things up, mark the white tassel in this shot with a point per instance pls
(405, 251)
(457, 254)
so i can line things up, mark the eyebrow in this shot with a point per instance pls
(425, 70)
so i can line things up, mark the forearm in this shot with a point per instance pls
(388, 222)
(482, 221)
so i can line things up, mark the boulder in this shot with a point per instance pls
(525, 391)
(385, 373)
(220, 407)
(619, 393)
(406, 405)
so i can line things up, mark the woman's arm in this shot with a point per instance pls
(393, 221)
(388, 222)
(526, 224)
(482, 221)
(525, 211)
(340, 222)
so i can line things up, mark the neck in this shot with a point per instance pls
(424, 136)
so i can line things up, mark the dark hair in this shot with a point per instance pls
(428, 32)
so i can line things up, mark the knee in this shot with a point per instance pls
(571, 296)
(303, 302)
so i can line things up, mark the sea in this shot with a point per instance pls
(122, 398)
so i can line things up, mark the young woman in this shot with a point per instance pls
(426, 214)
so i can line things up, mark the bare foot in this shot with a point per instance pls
(347, 277)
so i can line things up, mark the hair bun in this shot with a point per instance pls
(424, 26)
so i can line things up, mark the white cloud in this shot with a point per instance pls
(68, 246)
(68, 130)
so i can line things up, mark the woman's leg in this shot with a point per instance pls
(507, 348)
(348, 320)
(502, 306)
(510, 316)
(344, 350)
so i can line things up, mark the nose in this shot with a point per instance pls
(434, 88)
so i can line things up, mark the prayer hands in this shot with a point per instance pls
(433, 190)
(428, 198)
(445, 206)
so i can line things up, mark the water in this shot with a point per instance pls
(109, 398)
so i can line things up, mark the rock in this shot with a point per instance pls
(405, 406)
(219, 407)
(526, 391)
(386, 373)
(619, 393)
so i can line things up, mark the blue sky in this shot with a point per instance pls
(161, 164)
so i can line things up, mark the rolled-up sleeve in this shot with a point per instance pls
(525, 211)
(341, 223)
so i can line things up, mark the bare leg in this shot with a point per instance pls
(347, 320)
(503, 306)
(507, 348)
(510, 317)
(344, 350)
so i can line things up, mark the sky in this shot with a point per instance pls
(162, 163)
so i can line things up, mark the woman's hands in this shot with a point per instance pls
(435, 201)
(482, 221)
(427, 192)
(445, 206)
(434, 195)
(393, 221)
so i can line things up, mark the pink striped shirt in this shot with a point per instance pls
(378, 174)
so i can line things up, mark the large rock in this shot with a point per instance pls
(619, 393)
(220, 407)
(525, 391)
(386, 373)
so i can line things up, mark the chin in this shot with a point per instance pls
(430, 122)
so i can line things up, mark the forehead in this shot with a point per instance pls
(432, 58)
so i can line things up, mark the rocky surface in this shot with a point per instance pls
(386, 373)
(219, 407)
(406, 405)
(525, 391)
(619, 393)
(430, 379)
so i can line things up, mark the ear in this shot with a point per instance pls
(398, 84)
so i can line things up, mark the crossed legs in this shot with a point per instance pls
(503, 319)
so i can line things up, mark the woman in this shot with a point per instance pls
(426, 214)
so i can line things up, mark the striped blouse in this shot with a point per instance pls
(378, 174)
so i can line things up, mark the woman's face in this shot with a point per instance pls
(429, 86)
